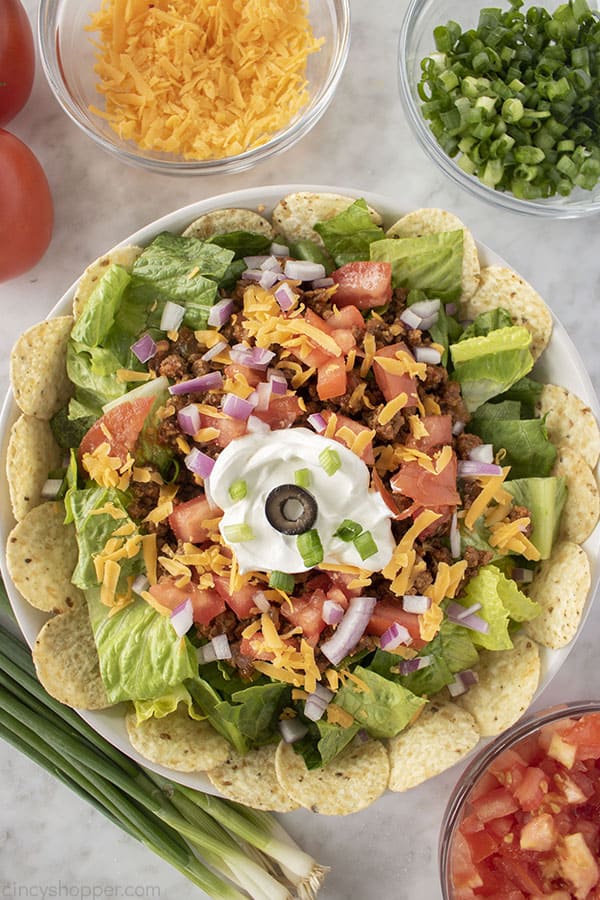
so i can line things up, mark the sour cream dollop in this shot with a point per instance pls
(265, 462)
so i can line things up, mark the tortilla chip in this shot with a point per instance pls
(508, 680)
(177, 741)
(38, 371)
(295, 215)
(432, 221)
(442, 735)
(222, 221)
(32, 453)
(251, 779)
(66, 661)
(503, 287)
(570, 422)
(560, 587)
(582, 508)
(41, 554)
(123, 256)
(351, 782)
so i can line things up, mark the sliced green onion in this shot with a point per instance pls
(238, 489)
(348, 530)
(330, 460)
(238, 533)
(310, 548)
(365, 545)
(282, 581)
(302, 478)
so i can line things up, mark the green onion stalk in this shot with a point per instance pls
(229, 851)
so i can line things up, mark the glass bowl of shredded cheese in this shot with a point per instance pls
(198, 86)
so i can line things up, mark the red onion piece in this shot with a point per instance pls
(210, 382)
(316, 421)
(291, 730)
(323, 693)
(214, 351)
(428, 355)
(220, 312)
(350, 630)
(221, 646)
(172, 316)
(252, 275)
(271, 264)
(199, 463)
(144, 348)
(468, 610)
(469, 677)
(426, 308)
(50, 488)
(237, 407)
(261, 602)
(268, 279)
(278, 381)
(455, 548)
(182, 618)
(407, 666)
(314, 708)
(461, 616)
(483, 453)
(263, 393)
(140, 583)
(333, 612)
(253, 357)
(468, 468)
(416, 603)
(279, 249)
(458, 428)
(521, 574)
(451, 309)
(188, 419)
(457, 687)
(255, 262)
(322, 283)
(428, 321)
(285, 296)
(257, 426)
(410, 318)
(206, 654)
(303, 270)
(395, 635)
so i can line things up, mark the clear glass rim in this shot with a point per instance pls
(547, 209)
(50, 59)
(475, 769)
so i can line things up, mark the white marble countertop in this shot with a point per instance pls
(51, 843)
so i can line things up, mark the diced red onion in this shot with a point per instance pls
(316, 421)
(468, 610)
(263, 392)
(426, 308)
(458, 428)
(350, 630)
(455, 548)
(172, 316)
(206, 654)
(521, 574)
(451, 309)
(252, 275)
(279, 249)
(261, 602)
(410, 318)
(199, 463)
(314, 708)
(237, 407)
(468, 468)
(210, 382)
(253, 357)
(268, 279)
(291, 730)
(220, 312)
(428, 322)
(285, 296)
(469, 677)
(483, 453)
(188, 419)
(255, 262)
(395, 635)
(363, 735)
(333, 612)
(140, 584)
(278, 381)
(322, 283)
(182, 617)
(416, 603)
(428, 355)
(144, 348)
(323, 693)
(257, 426)
(303, 270)
(461, 616)
(407, 666)
(221, 646)
(271, 264)
(50, 488)
(457, 687)
(214, 351)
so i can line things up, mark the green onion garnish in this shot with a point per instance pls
(330, 460)
(348, 530)
(238, 489)
(365, 545)
(302, 478)
(282, 581)
(513, 98)
(310, 548)
(238, 533)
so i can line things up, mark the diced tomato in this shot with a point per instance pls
(123, 423)
(344, 339)
(463, 871)
(439, 433)
(509, 769)
(522, 874)
(242, 601)
(347, 317)
(365, 285)
(481, 844)
(386, 496)
(427, 488)
(252, 376)
(539, 833)
(206, 603)
(502, 826)
(532, 790)
(386, 613)
(343, 580)
(187, 519)
(486, 783)
(392, 385)
(281, 413)
(228, 428)
(332, 378)
(585, 734)
(307, 613)
(354, 426)
(336, 595)
(498, 802)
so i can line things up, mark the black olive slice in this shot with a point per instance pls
(291, 509)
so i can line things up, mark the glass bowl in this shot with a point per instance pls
(473, 776)
(67, 56)
(416, 42)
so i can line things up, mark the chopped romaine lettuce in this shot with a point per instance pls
(488, 321)
(92, 371)
(99, 312)
(488, 366)
(241, 243)
(432, 263)
(348, 235)
(384, 709)
(501, 600)
(529, 451)
(168, 703)
(545, 499)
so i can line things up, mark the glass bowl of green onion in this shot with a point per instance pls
(506, 100)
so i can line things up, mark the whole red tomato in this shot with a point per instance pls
(26, 211)
(17, 59)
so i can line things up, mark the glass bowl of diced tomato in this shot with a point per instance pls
(524, 820)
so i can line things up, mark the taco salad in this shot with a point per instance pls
(290, 489)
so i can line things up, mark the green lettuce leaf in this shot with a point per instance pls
(323, 742)
(92, 371)
(168, 703)
(488, 321)
(488, 366)
(506, 409)
(384, 710)
(527, 392)
(501, 601)
(99, 312)
(545, 499)
(432, 263)
(529, 451)
(241, 243)
(67, 432)
(312, 252)
(348, 235)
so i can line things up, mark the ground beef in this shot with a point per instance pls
(471, 490)
(319, 301)
(144, 499)
(186, 344)
(520, 512)
(436, 377)
(199, 366)
(225, 623)
(233, 331)
(385, 433)
(381, 331)
(475, 559)
(451, 401)
(173, 366)
(465, 443)
(422, 581)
